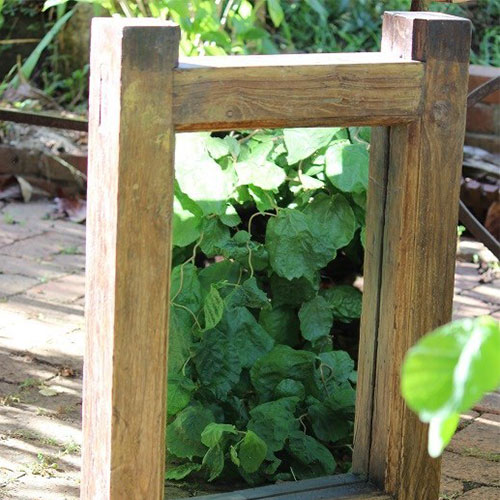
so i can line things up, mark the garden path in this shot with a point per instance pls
(41, 352)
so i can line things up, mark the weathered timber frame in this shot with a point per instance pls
(413, 92)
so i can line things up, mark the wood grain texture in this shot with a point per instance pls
(130, 189)
(419, 240)
(222, 93)
(372, 274)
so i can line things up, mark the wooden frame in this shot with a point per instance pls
(413, 92)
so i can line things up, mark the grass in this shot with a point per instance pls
(71, 250)
(478, 453)
(65, 448)
(29, 382)
(8, 219)
(10, 399)
(45, 466)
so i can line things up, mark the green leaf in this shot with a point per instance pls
(264, 200)
(218, 147)
(290, 244)
(316, 319)
(303, 142)
(215, 236)
(342, 397)
(185, 288)
(281, 324)
(180, 338)
(252, 452)
(234, 456)
(319, 8)
(184, 433)
(308, 182)
(256, 150)
(180, 472)
(254, 297)
(275, 11)
(214, 462)
(363, 236)
(238, 249)
(281, 363)
(290, 388)
(225, 271)
(328, 425)
(179, 392)
(448, 371)
(274, 421)
(360, 200)
(301, 243)
(186, 220)
(312, 453)
(230, 217)
(340, 365)
(333, 222)
(250, 340)
(347, 167)
(217, 361)
(293, 292)
(213, 187)
(213, 432)
(213, 308)
(265, 174)
(272, 466)
(32, 60)
(345, 302)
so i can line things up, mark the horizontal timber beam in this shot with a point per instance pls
(223, 93)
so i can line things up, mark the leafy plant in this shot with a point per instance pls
(267, 242)
(208, 27)
(448, 371)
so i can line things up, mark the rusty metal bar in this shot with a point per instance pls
(478, 230)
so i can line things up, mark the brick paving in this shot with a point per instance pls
(41, 353)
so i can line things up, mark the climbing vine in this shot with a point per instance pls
(268, 239)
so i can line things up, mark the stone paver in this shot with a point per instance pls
(482, 494)
(470, 469)
(11, 284)
(480, 438)
(451, 488)
(41, 352)
(62, 290)
(490, 403)
(485, 293)
(466, 276)
(469, 307)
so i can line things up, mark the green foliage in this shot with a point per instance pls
(222, 27)
(335, 25)
(208, 27)
(448, 371)
(355, 25)
(485, 46)
(29, 65)
(256, 383)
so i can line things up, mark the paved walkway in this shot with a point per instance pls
(41, 346)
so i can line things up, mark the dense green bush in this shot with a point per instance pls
(268, 235)
(334, 25)
(355, 25)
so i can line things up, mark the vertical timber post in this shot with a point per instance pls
(130, 192)
(410, 260)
